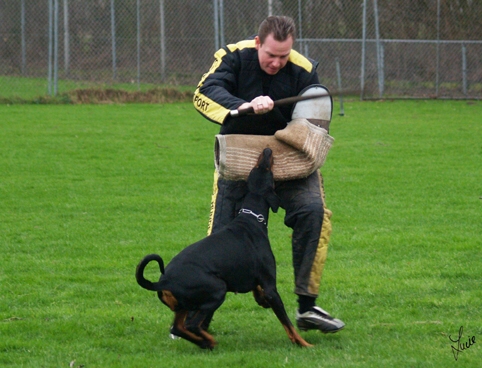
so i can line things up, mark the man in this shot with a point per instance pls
(254, 73)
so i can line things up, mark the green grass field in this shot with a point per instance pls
(87, 190)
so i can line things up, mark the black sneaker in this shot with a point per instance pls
(318, 319)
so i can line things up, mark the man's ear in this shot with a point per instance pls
(257, 42)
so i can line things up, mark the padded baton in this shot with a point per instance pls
(282, 102)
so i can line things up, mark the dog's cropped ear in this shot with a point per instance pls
(273, 201)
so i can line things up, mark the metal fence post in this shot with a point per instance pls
(138, 6)
(437, 66)
(363, 50)
(22, 26)
(162, 27)
(113, 39)
(56, 46)
(381, 74)
(66, 38)
(340, 93)
(379, 57)
(221, 22)
(49, 73)
(300, 27)
(218, 7)
(216, 24)
(304, 45)
(464, 70)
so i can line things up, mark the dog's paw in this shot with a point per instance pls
(206, 344)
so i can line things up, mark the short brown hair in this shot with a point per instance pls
(281, 27)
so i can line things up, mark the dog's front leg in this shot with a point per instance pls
(260, 298)
(274, 299)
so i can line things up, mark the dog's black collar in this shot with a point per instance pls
(260, 218)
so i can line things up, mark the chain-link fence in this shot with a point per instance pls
(396, 48)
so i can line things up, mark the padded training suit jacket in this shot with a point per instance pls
(236, 77)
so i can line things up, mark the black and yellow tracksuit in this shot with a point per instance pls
(235, 78)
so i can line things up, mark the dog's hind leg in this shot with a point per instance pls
(201, 338)
(166, 297)
(197, 323)
(191, 324)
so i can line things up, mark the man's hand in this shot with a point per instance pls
(260, 105)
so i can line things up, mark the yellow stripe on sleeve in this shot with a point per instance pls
(209, 108)
(206, 106)
(218, 59)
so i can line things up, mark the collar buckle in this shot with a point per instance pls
(260, 218)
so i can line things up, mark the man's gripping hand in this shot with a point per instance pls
(260, 105)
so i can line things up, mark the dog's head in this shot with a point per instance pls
(261, 180)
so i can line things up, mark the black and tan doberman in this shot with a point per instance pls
(238, 258)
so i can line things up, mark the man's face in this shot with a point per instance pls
(273, 55)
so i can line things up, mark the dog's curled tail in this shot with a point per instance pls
(141, 280)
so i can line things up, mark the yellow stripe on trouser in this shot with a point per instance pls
(213, 202)
(322, 251)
